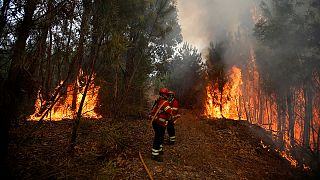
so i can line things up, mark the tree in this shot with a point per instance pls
(185, 75)
(217, 70)
(288, 63)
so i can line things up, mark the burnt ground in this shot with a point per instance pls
(222, 149)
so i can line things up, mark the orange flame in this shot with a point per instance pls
(63, 108)
(243, 98)
(230, 97)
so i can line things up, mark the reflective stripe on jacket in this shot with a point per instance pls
(175, 107)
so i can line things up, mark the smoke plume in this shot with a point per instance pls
(203, 21)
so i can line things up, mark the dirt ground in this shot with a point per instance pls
(110, 150)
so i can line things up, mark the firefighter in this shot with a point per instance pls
(173, 102)
(161, 114)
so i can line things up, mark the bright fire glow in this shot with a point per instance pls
(63, 108)
(230, 97)
(288, 157)
(243, 98)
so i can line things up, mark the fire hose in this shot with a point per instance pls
(145, 166)
(141, 158)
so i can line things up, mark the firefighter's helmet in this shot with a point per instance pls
(172, 93)
(163, 91)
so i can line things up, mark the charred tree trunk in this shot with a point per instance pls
(93, 58)
(281, 120)
(308, 116)
(290, 110)
(79, 114)
(221, 103)
(74, 95)
(261, 105)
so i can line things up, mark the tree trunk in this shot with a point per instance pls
(261, 105)
(221, 103)
(49, 70)
(93, 56)
(308, 116)
(79, 115)
(281, 120)
(3, 15)
(17, 80)
(290, 107)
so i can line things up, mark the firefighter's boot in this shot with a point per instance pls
(161, 149)
(157, 158)
(171, 140)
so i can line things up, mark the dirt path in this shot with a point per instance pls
(217, 150)
(108, 149)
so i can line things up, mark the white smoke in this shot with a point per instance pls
(204, 21)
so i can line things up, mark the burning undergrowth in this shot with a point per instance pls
(66, 102)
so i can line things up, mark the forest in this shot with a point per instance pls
(78, 80)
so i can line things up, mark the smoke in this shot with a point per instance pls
(205, 21)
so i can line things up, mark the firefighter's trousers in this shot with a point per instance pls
(171, 131)
(158, 138)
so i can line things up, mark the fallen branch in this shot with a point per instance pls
(145, 166)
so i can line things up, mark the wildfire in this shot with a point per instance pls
(68, 105)
(230, 97)
(288, 157)
(243, 98)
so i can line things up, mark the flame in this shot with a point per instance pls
(230, 98)
(243, 98)
(63, 108)
(288, 157)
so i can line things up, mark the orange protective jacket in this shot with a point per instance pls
(175, 107)
(164, 113)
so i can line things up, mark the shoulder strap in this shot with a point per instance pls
(154, 116)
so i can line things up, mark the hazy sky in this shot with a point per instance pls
(203, 21)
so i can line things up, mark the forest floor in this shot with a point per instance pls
(221, 149)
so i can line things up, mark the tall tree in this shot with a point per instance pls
(185, 75)
(217, 69)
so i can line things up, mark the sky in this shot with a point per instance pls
(203, 21)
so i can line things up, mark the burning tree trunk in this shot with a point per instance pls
(261, 105)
